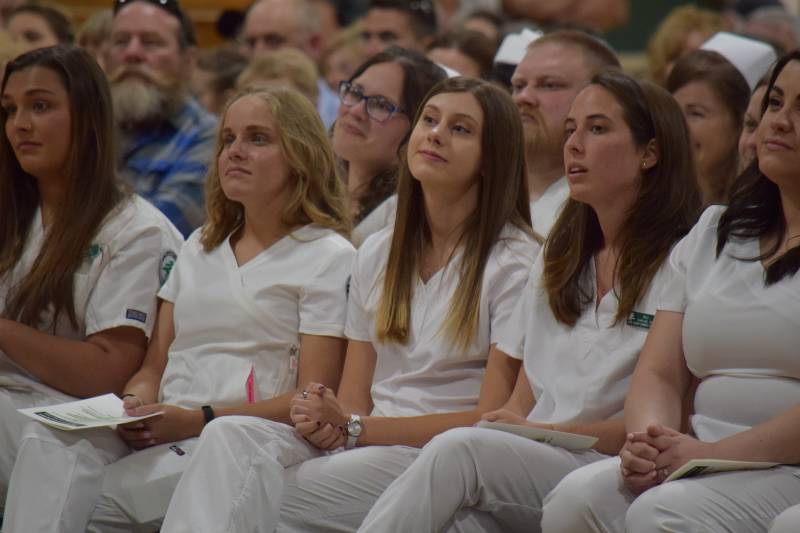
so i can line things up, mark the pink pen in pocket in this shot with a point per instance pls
(250, 385)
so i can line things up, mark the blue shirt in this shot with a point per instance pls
(167, 165)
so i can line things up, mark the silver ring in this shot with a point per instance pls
(304, 394)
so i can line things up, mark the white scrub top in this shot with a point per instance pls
(429, 374)
(116, 285)
(578, 374)
(380, 217)
(740, 337)
(546, 209)
(237, 328)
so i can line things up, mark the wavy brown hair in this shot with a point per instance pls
(92, 189)
(665, 209)
(502, 200)
(318, 194)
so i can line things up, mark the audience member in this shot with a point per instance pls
(684, 30)
(713, 95)
(167, 137)
(579, 325)
(596, 15)
(271, 25)
(409, 25)
(774, 25)
(272, 266)
(427, 297)
(214, 77)
(94, 35)
(752, 117)
(342, 57)
(467, 52)
(286, 68)
(555, 68)
(38, 25)
(378, 104)
(487, 22)
(81, 258)
(9, 49)
(728, 317)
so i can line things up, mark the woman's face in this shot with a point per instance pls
(710, 124)
(38, 121)
(603, 165)
(32, 31)
(360, 139)
(444, 149)
(747, 140)
(778, 134)
(252, 167)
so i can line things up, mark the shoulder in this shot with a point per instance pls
(134, 218)
(321, 240)
(515, 245)
(374, 252)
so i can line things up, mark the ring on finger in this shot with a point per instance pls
(304, 394)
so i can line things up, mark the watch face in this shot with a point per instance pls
(354, 428)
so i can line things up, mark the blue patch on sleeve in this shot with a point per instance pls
(139, 316)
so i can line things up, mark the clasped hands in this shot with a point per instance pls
(318, 417)
(649, 457)
(172, 425)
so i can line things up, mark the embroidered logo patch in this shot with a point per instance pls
(134, 314)
(640, 320)
(165, 267)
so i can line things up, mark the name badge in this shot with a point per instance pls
(640, 320)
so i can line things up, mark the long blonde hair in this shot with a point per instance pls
(318, 194)
(502, 200)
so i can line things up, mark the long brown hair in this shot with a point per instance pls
(665, 209)
(318, 194)
(502, 200)
(92, 189)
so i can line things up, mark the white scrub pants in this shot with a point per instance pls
(593, 499)
(474, 479)
(787, 522)
(234, 482)
(89, 481)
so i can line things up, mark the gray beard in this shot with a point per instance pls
(138, 103)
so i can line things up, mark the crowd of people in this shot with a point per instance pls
(328, 259)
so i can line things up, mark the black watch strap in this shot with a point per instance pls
(208, 414)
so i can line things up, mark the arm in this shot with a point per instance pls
(100, 364)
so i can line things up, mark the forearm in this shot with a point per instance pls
(610, 434)
(413, 431)
(276, 409)
(145, 384)
(652, 399)
(78, 368)
(774, 440)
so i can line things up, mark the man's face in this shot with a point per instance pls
(381, 28)
(145, 61)
(271, 25)
(544, 85)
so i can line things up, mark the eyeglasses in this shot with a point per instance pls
(379, 108)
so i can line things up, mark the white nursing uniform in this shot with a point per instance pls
(237, 334)
(741, 339)
(578, 374)
(253, 459)
(546, 209)
(381, 217)
(115, 286)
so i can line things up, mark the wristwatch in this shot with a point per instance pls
(353, 429)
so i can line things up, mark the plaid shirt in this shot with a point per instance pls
(168, 165)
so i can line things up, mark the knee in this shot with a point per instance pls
(454, 442)
(579, 501)
(662, 508)
(787, 521)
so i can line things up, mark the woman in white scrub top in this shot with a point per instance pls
(427, 299)
(257, 300)
(81, 259)
(729, 316)
(580, 324)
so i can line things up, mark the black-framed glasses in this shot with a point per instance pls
(379, 108)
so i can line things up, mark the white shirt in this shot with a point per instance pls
(237, 328)
(116, 285)
(429, 374)
(740, 337)
(578, 374)
(546, 209)
(381, 217)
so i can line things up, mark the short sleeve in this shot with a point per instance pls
(358, 322)
(323, 301)
(511, 339)
(125, 291)
(510, 272)
(171, 288)
(701, 239)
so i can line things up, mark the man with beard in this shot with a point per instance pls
(555, 68)
(167, 139)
